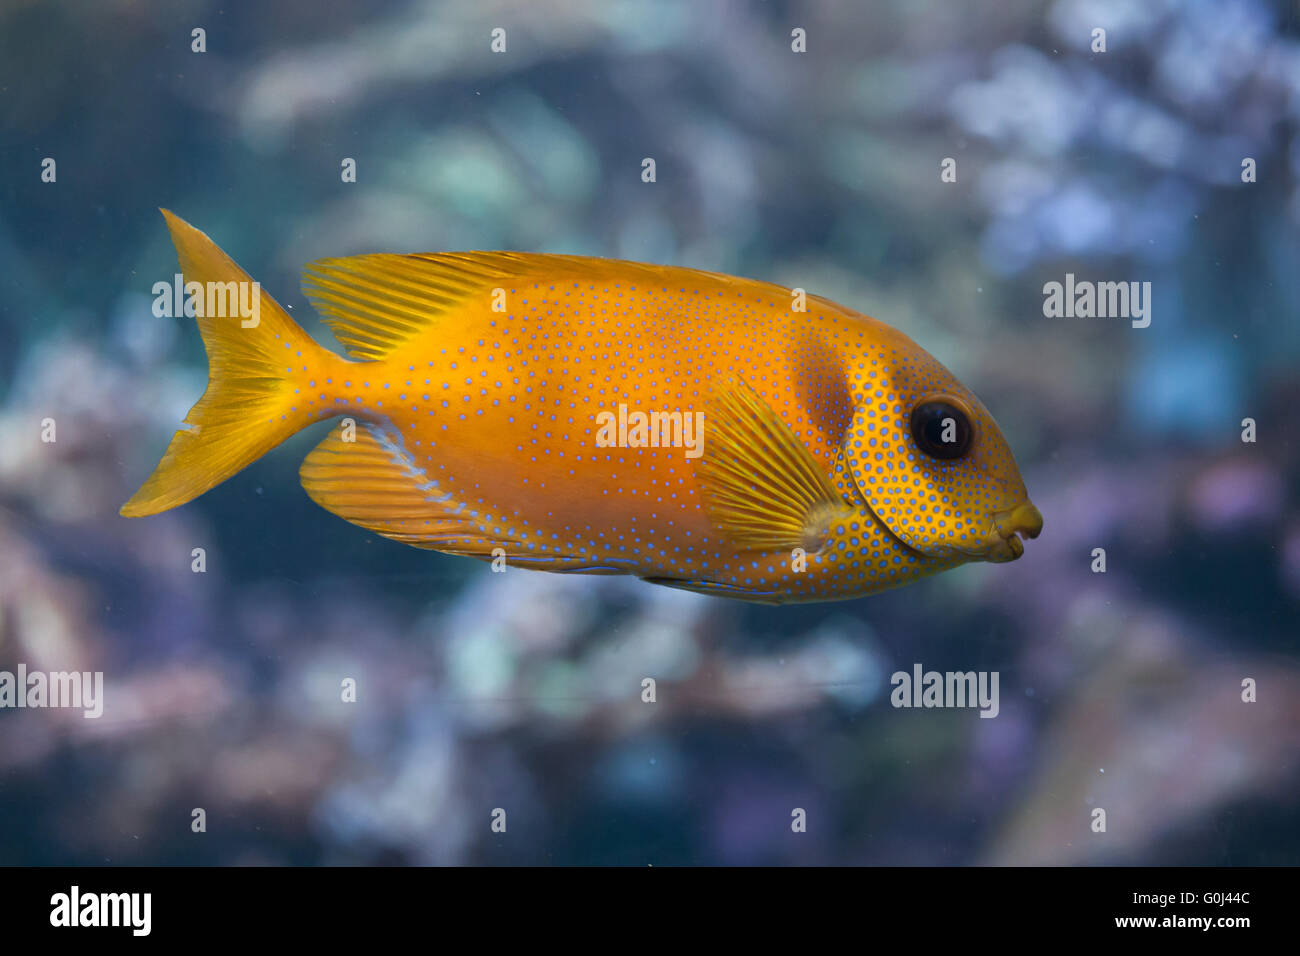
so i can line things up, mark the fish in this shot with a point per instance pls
(584, 415)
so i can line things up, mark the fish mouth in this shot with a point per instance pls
(1010, 527)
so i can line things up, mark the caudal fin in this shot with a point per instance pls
(246, 410)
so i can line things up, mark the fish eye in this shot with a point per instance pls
(941, 429)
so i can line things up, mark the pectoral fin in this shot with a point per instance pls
(762, 487)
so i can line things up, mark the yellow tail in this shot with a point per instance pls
(248, 407)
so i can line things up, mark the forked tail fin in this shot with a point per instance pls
(248, 407)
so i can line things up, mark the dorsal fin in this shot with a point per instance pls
(763, 489)
(374, 303)
(377, 302)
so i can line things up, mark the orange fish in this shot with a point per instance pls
(573, 414)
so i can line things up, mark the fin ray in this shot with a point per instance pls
(763, 488)
(373, 482)
(375, 303)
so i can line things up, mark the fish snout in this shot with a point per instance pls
(1010, 527)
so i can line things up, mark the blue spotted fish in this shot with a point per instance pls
(594, 416)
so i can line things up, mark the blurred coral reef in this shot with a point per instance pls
(523, 691)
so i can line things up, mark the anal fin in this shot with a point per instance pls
(374, 482)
